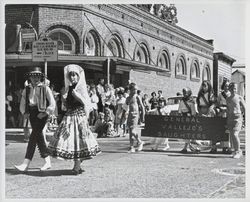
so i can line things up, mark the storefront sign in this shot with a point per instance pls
(43, 50)
(179, 127)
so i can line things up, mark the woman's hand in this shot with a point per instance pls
(42, 115)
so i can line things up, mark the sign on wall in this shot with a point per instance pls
(179, 127)
(44, 50)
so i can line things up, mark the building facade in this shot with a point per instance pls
(239, 77)
(222, 70)
(147, 50)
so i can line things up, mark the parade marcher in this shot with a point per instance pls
(187, 108)
(206, 104)
(132, 107)
(235, 109)
(73, 139)
(37, 102)
(222, 112)
(162, 109)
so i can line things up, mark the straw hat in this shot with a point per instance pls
(35, 71)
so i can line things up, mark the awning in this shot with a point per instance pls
(97, 61)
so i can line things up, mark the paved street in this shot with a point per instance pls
(117, 174)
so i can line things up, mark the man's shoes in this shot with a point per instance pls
(166, 148)
(131, 150)
(21, 167)
(237, 154)
(47, 164)
(140, 146)
(184, 151)
(24, 166)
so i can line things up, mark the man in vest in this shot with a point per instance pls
(37, 103)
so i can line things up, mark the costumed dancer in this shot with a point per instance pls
(34, 105)
(73, 139)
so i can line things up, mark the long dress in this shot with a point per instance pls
(73, 138)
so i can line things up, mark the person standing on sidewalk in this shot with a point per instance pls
(73, 139)
(222, 112)
(132, 106)
(37, 103)
(234, 118)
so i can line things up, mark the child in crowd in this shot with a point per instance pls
(109, 122)
(99, 125)
(153, 101)
(118, 122)
(234, 118)
(132, 107)
(162, 109)
(145, 102)
(187, 108)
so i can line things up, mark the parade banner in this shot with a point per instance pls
(179, 127)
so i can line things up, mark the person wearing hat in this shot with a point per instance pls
(37, 103)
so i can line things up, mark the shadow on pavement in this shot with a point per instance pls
(190, 154)
(14, 138)
(38, 173)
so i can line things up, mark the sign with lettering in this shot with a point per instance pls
(179, 127)
(44, 50)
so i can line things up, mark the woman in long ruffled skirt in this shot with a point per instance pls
(73, 139)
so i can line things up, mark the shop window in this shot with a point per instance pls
(92, 44)
(142, 54)
(164, 61)
(66, 42)
(195, 71)
(115, 47)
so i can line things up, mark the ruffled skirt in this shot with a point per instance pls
(73, 138)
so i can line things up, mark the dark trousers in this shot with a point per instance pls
(36, 136)
(93, 115)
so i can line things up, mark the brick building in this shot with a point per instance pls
(146, 49)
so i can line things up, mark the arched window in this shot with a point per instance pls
(181, 67)
(164, 60)
(142, 54)
(206, 73)
(194, 70)
(92, 44)
(65, 40)
(115, 47)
